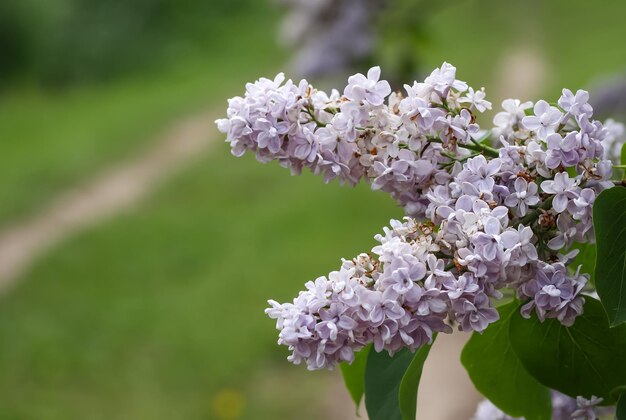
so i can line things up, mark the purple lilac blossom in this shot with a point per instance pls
(479, 219)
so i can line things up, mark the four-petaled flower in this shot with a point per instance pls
(545, 121)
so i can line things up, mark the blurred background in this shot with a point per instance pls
(136, 254)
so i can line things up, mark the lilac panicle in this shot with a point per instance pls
(487, 210)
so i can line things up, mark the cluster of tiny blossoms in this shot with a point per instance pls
(481, 216)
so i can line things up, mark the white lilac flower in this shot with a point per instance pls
(476, 99)
(443, 79)
(524, 249)
(462, 127)
(370, 88)
(486, 410)
(545, 121)
(580, 207)
(514, 111)
(576, 104)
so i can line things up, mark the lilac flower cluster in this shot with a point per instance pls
(394, 298)
(563, 408)
(482, 219)
(399, 145)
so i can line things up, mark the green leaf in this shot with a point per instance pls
(383, 378)
(354, 375)
(609, 221)
(498, 374)
(620, 410)
(383, 375)
(410, 383)
(588, 358)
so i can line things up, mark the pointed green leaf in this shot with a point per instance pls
(383, 382)
(410, 383)
(588, 358)
(383, 375)
(354, 375)
(609, 221)
(498, 374)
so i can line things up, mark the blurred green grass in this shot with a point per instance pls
(51, 140)
(581, 42)
(158, 312)
(152, 314)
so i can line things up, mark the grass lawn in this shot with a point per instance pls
(49, 141)
(155, 313)
(581, 41)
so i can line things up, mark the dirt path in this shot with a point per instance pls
(111, 192)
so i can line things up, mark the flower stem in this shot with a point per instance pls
(534, 215)
(479, 147)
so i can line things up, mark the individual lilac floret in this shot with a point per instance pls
(508, 121)
(443, 79)
(576, 104)
(564, 189)
(370, 88)
(476, 99)
(524, 196)
(567, 233)
(563, 151)
(545, 121)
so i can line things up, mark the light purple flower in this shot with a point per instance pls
(563, 187)
(476, 99)
(567, 232)
(562, 150)
(514, 112)
(525, 195)
(576, 104)
(475, 314)
(545, 121)
(370, 89)
(554, 294)
(443, 79)
(465, 284)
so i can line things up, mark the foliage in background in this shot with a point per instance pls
(74, 41)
